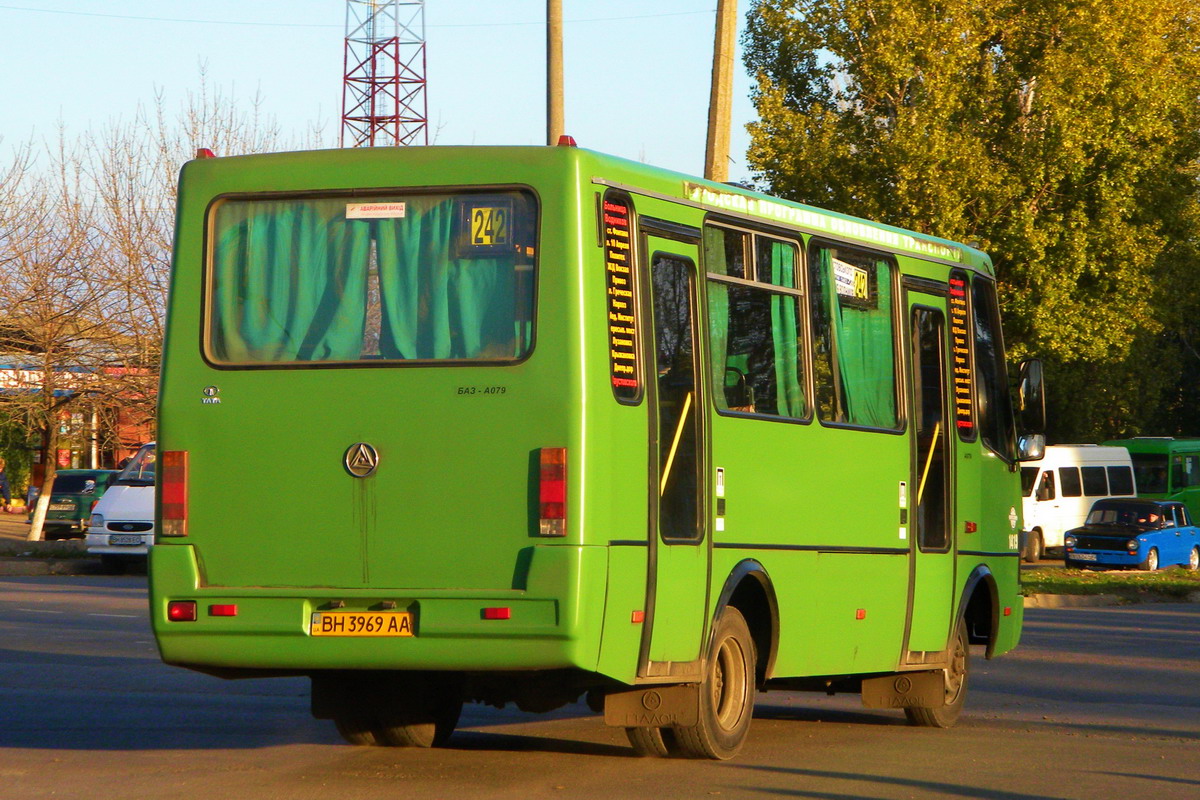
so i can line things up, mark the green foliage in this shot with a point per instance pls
(16, 448)
(1061, 136)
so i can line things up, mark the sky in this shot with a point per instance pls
(637, 73)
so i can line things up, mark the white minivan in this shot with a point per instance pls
(1060, 489)
(121, 529)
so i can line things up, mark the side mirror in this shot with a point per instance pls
(1031, 399)
(1031, 447)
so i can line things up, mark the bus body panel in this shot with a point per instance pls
(448, 524)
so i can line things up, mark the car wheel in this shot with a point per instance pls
(1151, 562)
(726, 694)
(1067, 563)
(957, 670)
(1034, 548)
(1193, 563)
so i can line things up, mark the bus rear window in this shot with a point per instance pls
(398, 277)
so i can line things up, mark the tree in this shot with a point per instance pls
(85, 249)
(1061, 136)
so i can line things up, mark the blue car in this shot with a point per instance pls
(1144, 534)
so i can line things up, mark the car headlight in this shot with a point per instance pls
(1132, 545)
(1070, 541)
(97, 521)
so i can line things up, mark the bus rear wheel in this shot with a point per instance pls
(418, 712)
(654, 742)
(726, 694)
(957, 670)
(355, 729)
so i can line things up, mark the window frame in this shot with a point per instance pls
(1002, 378)
(366, 194)
(799, 292)
(898, 320)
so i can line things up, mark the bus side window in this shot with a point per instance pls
(1120, 480)
(1178, 475)
(1191, 471)
(1068, 478)
(1095, 482)
(754, 327)
(854, 359)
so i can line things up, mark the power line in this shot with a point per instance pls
(319, 25)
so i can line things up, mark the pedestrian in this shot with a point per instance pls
(4, 490)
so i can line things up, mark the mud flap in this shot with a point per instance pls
(653, 707)
(905, 690)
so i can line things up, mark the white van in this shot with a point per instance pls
(121, 529)
(1060, 489)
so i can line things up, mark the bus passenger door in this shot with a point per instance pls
(932, 549)
(675, 618)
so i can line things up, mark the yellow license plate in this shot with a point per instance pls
(362, 623)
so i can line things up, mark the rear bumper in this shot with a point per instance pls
(271, 628)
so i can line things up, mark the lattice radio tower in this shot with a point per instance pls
(383, 95)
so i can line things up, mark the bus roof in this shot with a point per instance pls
(468, 165)
(1158, 444)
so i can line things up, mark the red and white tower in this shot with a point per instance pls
(383, 95)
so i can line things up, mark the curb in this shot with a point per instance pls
(1072, 600)
(32, 567)
(1102, 600)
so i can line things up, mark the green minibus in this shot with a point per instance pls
(533, 425)
(1165, 468)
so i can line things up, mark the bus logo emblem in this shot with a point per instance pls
(361, 460)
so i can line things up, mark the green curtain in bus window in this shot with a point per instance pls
(436, 305)
(863, 348)
(267, 309)
(784, 330)
(718, 339)
(718, 313)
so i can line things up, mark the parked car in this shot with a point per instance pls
(122, 525)
(1146, 534)
(74, 494)
(1061, 489)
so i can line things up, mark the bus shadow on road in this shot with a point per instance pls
(816, 713)
(480, 741)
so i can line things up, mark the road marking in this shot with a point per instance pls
(40, 611)
(122, 616)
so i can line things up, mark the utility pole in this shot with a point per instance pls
(720, 101)
(554, 72)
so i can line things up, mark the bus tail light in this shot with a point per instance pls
(174, 492)
(181, 611)
(552, 492)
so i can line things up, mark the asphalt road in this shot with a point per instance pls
(1097, 703)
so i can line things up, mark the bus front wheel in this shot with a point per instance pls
(957, 670)
(726, 694)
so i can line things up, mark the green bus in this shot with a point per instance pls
(1165, 468)
(535, 424)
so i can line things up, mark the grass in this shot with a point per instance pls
(1175, 583)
